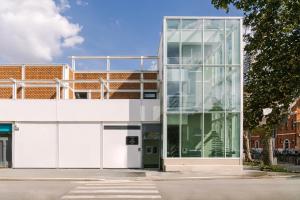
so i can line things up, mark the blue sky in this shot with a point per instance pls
(48, 31)
(129, 27)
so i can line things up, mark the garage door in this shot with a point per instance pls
(79, 145)
(35, 145)
(122, 146)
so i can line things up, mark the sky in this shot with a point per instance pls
(48, 31)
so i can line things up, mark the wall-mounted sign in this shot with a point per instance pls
(5, 128)
(132, 140)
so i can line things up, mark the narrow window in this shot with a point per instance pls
(150, 95)
(286, 144)
(81, 95)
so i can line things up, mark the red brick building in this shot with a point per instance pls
(287, 136)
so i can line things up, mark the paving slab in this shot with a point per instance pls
(104, 174)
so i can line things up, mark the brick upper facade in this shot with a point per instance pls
(32, 74)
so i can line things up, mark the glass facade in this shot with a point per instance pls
(202, 84)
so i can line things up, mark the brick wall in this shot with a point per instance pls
(49, 72)
(281, 138)
(72, 85)
(40, 93)
(152, 76)
(125, 76)
(43, 72)
(255, 138)
(7, 72)
(123, 95)
(115, 85)
(289, 129)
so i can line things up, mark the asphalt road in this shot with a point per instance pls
(231, 189)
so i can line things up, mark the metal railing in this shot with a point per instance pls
(65, 85)
(108, 60)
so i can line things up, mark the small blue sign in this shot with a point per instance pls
(5, 128)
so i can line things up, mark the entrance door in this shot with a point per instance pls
(122, 146)
(5, 145)
(151, 145)
(5, 151)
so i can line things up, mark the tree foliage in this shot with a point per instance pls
(273, 43)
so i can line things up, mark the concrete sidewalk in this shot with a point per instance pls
(290, 167)
(67, 174)
(97, 174)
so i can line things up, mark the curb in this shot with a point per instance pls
(153, 178)
(50, 179)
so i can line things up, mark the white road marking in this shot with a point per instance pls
(116, 191)
(116, 187)
(112, 197)
(136, 184)
(113, 181)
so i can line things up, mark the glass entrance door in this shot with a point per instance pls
(151, 145)
(5, 145)
(5, 151)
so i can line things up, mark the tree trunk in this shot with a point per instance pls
(248, 156)
(268, 151)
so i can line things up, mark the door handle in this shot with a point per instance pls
(139, 149)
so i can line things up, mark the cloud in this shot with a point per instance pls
(72, 41)
(35, 31)
(81, 3)
(63, 5)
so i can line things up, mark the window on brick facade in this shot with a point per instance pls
(81, 95)
(150, 95)
(286, 144)
(292, 124)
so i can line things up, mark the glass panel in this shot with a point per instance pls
(214, 129)
(233, 135)
(213, 47)
(192, 24)
(192, 88)
(173, 36)
(151, 145)
(214, 88)
(214, 24)
(173, 88)
(191, 53)
(173, 135)
(233, 89)
(232, 41)
(191, 36)
(173, 23)
(191, 135)
(214, 41)
(173, 53)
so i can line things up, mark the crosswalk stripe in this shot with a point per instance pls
(112, 181)
(115, 187)
(115, 191)
(94, 184)
(112, 196)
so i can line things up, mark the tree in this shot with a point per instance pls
(273, 80)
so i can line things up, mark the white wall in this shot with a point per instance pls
(79, 145)
(35, 145)
(66, 133)
(119, 110)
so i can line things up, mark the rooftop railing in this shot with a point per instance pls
(65, 85)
